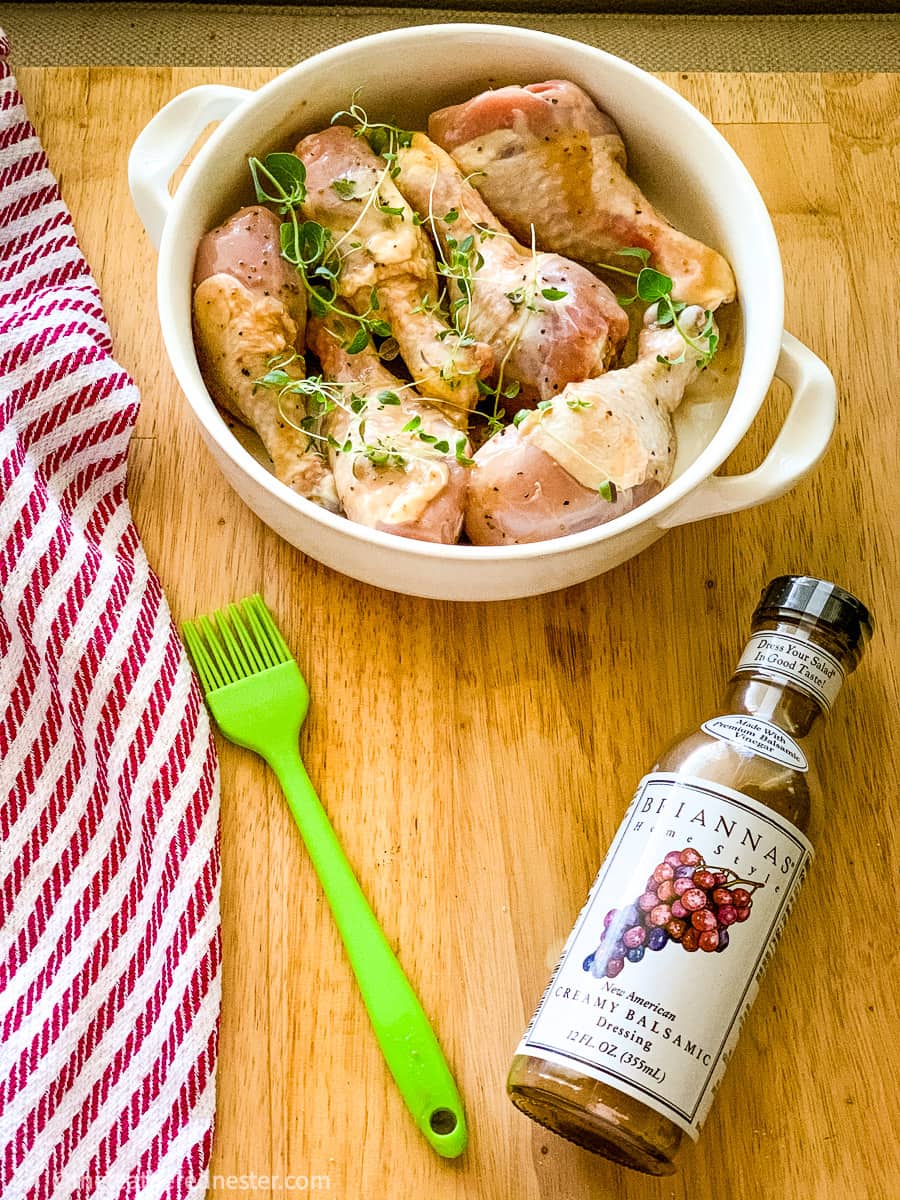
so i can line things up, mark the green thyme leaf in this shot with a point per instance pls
(317, 305)
(314, 240)
(275, 379)
(388, 210)
(461, 457)
(633, 252)
(289, 242)
(288, 170)
(378, 139)
(653, 285)
(279, 179)
(358, 342)
(552, 293)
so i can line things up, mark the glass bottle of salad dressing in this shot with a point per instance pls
(635, 1029)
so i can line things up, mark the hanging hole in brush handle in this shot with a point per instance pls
(443, 1122)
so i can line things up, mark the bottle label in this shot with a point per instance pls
(795, 659)
(761, 737)
(665, 958)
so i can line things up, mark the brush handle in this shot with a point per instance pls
(404, 1033)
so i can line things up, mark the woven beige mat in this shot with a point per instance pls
(232, 35)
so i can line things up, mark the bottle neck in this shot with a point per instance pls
(789, 674)
(791, 710)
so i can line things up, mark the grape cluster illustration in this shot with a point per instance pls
(685, 902)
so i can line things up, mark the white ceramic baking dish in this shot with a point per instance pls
(682, 162)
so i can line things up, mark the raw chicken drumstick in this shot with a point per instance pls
(349, 192)
(249, 306)
(546, 477)
(550, 157)
(541, 343)
(390, 478)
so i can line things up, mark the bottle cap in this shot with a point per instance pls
(819, 600)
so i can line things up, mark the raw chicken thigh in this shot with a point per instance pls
(548, 156)
(389, 477)
(249, 307)
(548, 320)
(546, 477)
(383, 252)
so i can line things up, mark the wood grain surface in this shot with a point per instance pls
(476, 758)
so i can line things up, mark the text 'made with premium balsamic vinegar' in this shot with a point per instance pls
(635, 1029)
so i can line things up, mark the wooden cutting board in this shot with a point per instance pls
(476, 758)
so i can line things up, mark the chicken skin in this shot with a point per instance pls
(548, 320)
(546, 155)
(249, 307)
(595, 452)
(389, 476)
(386, 257)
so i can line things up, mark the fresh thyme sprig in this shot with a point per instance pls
(387, 140)
(384, 139)
(459, 264)
(654, 287)
(524, 298)
(324, 396)
(280, 179)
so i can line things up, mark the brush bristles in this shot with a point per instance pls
(234, 643)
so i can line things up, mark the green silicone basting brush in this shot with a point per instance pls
(259, 700)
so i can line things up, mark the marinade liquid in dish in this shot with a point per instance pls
(635, 1029)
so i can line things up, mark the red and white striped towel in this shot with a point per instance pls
(109, 868)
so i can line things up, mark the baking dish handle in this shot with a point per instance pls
(801, 442)
(164, 142)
